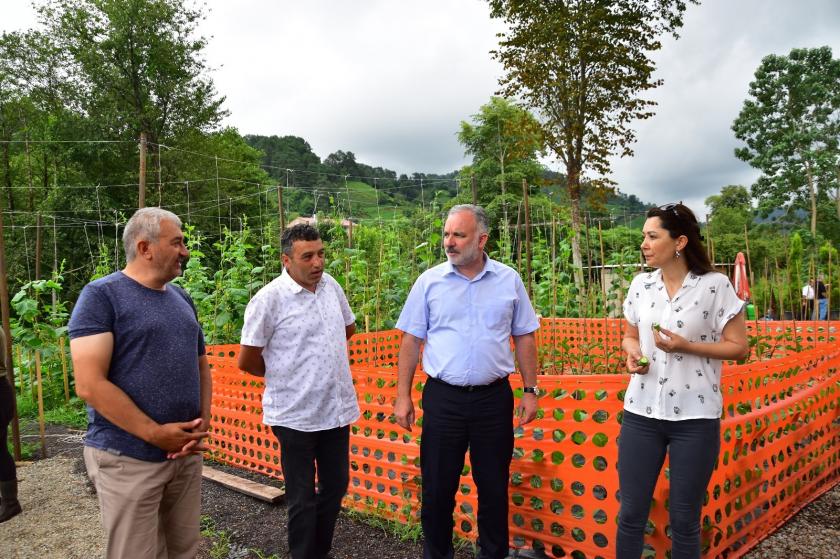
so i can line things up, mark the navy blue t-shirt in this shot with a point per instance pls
(157, 344)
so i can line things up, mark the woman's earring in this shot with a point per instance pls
(677, 255)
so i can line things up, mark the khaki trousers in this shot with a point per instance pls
(150, 510)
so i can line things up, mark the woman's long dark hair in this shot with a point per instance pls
(678, 220)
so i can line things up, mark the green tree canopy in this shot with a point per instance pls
(583, 65)
(504, 141)
(138, 63)
(790, 124)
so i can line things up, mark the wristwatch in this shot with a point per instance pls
(531, 390)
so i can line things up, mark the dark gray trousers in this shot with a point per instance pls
(693, 446)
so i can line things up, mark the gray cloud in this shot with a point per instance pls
(686, 150)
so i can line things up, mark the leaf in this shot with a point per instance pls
(222, 319)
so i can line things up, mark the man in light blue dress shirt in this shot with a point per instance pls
(465, 310)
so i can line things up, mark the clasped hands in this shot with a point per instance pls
(182, 438)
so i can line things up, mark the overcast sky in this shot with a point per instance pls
(391, 80)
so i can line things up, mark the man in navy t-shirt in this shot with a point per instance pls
(140, 364)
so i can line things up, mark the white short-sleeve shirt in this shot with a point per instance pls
(308, 385)
(679, 386)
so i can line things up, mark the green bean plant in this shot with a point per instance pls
(40, 321)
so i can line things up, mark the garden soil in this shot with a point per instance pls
(61, 519)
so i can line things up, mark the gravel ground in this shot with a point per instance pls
(61, 520)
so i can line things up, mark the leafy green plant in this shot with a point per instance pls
(71, 414)
(39, 324)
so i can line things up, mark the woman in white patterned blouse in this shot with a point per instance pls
(683, 320)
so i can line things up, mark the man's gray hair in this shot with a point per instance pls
(144, 225)
(477, 211)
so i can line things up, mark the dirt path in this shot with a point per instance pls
(61, 516)
(61, 520)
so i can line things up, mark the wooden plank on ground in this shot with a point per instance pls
(246, 486)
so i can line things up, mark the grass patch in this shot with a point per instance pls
(27, 450)
(221, 546)
(219, 539)
(71, 414)
(409, 531)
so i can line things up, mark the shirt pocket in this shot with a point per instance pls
(496, 315)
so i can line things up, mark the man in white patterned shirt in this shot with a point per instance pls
(295, 334)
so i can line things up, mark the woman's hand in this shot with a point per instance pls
(637, 363)
(669, 342)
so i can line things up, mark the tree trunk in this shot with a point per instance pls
(7, 173)
(577, 259)
(837, 196)
(813, 195)
(141, 191)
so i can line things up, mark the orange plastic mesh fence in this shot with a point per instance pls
(780, 445)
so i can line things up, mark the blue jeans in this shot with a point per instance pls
(823, 308)
(693, 446)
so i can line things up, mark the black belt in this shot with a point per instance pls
(471, 388)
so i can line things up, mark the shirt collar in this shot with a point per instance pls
(691, 279)
(294, 286)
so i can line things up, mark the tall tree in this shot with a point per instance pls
(139, 63)
(582, 65)
(733, 196)
(504, 141)
(790, 123)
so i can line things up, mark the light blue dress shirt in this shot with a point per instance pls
(467, 324)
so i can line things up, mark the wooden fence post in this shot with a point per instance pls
(41, 422)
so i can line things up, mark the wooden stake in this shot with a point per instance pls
(20, 366)
(347, 260)
(553, 265)
(64, 369)
(749, 261)
(55, 261)
(527, 238)
(781, 293)
(603, 274)
(281, 217)
(553, 313)
(38, 243)
(519, 239)
(828, 302)
(32, 390)
(41, 421)
(141, 192)
(29, 170)
(376, 323)
(160, 178)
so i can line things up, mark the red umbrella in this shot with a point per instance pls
(740, 279)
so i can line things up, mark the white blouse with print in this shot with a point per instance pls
(679, 386)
